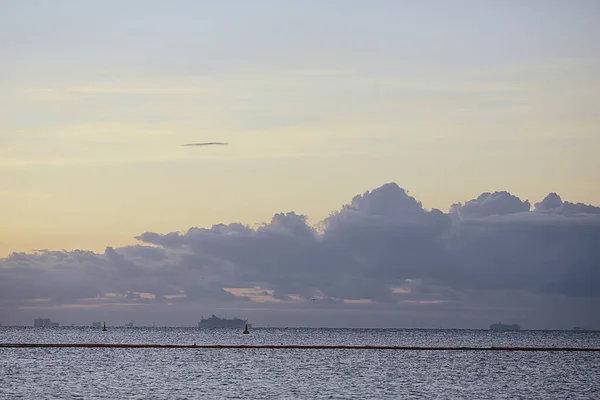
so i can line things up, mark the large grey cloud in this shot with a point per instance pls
(383, 247)
(554, 204)
(488, 204)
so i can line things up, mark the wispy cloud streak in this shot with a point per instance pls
(205, 144)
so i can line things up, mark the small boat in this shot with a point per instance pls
(246, 331)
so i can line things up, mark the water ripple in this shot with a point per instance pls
(108, 373)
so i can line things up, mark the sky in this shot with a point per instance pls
(387, 163)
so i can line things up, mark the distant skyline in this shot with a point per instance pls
(124, 121)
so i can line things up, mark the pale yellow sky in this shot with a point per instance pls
(90, 150)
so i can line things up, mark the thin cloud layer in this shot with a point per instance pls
(205, 144)
(382, 251)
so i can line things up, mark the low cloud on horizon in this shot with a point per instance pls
(381, 260)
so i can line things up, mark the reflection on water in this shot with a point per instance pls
(45, 373)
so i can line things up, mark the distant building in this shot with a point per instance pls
(44, 323)
(96, 324)
(129, 325)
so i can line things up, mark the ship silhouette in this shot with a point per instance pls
(502, 327)
(216, 322)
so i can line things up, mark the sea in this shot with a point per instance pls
(276, 373)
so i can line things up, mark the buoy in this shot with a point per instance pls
(104, 329)
(246, 329)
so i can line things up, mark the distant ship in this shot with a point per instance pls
(216, 322)
(504, 328)
(44, 322)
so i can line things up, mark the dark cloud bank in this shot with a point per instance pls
(382, 260)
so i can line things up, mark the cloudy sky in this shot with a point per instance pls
(339, 163)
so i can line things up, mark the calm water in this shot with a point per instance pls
(93, 373)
